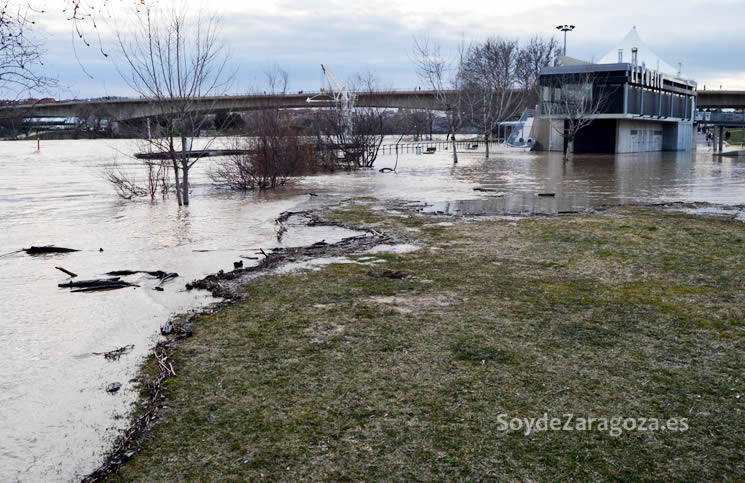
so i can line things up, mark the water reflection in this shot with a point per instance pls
(592, 180)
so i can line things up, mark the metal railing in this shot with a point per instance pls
(720, 117)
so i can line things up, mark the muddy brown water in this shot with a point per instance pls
(56, 418)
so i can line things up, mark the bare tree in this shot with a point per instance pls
(272, 152)
(440, 75)
(269, 158)
(126, 186)
(357, 135)
(277, 79)
(575, 100)
(125, 181)
(20, 55)
(538, 53)
(489, 84)
(174, 59)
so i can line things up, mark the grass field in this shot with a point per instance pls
(339, 375)
(736, 137)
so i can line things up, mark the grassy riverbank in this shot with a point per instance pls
(737, 137)
(337, 374)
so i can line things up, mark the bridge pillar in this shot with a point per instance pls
(721, 138)
(149, 134)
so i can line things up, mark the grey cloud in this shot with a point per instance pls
(706, 37)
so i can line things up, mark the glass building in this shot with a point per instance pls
(634, 105)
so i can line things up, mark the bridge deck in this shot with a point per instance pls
(127, 109)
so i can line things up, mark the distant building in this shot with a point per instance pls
(646, 104)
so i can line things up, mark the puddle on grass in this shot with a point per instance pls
(312, 264)
(736, 213)
(396, 249)
(509, 205)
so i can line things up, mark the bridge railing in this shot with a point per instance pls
(720, 117)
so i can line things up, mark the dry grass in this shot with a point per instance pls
(338, 375)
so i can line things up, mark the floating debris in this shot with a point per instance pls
(159, 274)
(69, 273)
(113, 387)
(48, 249)
(166, 328)
(96, 285)
(116, 353)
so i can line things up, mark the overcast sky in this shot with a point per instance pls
(377, 36)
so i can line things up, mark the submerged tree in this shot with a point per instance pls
(538, 53)
(175, 59)
(271, 150)
(575, 102)
(490, 89)
(440, 75)
(356, 132)
(268, 156)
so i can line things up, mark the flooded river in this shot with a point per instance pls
(55, 415)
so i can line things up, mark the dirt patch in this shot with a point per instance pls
(322, 332)
(408, 304)
(394, 275)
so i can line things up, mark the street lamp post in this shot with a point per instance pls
(565, 29)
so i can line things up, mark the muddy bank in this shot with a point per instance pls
(228, 287)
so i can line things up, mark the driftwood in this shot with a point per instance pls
(11, 253)
(71, 274)
(486, 190)
(97, 285)
(116, 353)
(129, 443)
(48, 249)
(113, 286)
(281, 230)
(159, 274)
(114, 387)
(284, 216)
(90, 283)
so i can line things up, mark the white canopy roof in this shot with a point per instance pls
(644, 54)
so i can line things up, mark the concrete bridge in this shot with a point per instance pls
(131, 109)
(721, 100)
